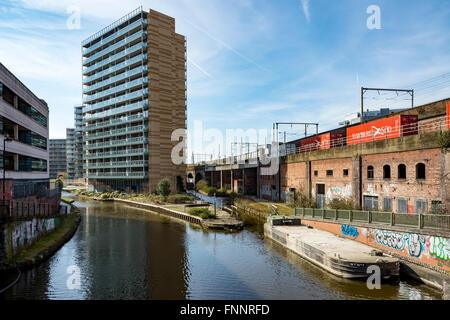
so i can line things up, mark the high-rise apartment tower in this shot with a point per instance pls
(134, 97)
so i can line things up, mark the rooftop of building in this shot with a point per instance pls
(7, 71)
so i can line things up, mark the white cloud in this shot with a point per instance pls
(305, 6)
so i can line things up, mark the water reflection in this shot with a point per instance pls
(129, 253)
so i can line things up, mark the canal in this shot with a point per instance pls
(127, 253)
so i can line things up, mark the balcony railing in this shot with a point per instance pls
(115, 68)
(117, 56)
(419, 221)
(115, 143)
(117, 164)
(112, 80)
(117, 45)
(114, 90)
(116, 132)
(106, 175)
(114, 36)
(115, 154)
(114, 122)
(140, 105)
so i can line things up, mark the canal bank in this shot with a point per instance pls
(222, 220)
(123, 252)
(345, 257)
(28, 243)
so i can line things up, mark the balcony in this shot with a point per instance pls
(114, 36)
(117, 164)
(114, 90)
(117, 132)
(116, 143)
(117, 56)
(115, 111)
(116, 68)
(109, 175)
(112, 80)
(118, 45)
(113, 122)
(115, 154)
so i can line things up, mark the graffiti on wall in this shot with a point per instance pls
(349, 231)
(338, 192)
(26, 232)
(415, 244)
(439, 247)
(391, 239)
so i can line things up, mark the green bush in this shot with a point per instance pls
(180, 198)
(444, 140)
(163, 188)
(210, 191)
(203, 213)
(300, 200)
(201, 185)
(343, 204)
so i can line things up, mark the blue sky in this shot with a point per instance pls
(251, 62)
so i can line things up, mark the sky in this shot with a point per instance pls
(250, 62)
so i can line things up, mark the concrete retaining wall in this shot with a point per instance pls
(165, 211)
(17, 235)
(421, 251)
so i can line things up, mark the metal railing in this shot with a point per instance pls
(420, 221)
(438, 124)
(17, 210)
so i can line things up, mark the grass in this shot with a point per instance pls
(203, 213)
(49, 239)
(266, 207)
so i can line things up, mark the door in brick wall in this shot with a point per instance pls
(320, 191)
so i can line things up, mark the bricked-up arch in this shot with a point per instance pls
(420, 171)
(386, 171)
(370, 172)
(401, 171)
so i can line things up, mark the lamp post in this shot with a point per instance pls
(6, 138)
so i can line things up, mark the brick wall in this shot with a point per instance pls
(396, 188)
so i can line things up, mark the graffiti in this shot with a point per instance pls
(415, 244)
(390, 239)
(440, 247)
(345, 192)
(350, 231)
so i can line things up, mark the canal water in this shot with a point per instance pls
(122, 252)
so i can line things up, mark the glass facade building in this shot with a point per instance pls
(24, 119)
(58, 155)
(70, 153)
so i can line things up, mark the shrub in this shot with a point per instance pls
(201, 185)
(105, 196)
(203, 213)
(179, 198)
(343, 204)
(210, 191)
(164, 187)
(299, 200)
(444, 140)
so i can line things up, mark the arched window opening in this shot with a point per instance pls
(420, 171)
